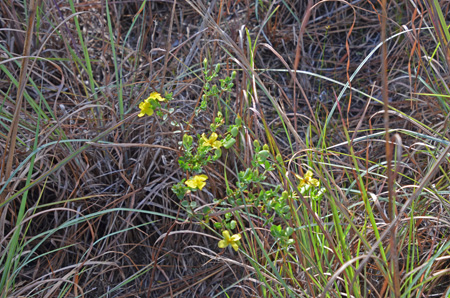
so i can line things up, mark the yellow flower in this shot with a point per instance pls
(197, 181)
(212, 141)
(146, 109)
(146, 106)
(308, 179)
(155, 96)
(233, 240)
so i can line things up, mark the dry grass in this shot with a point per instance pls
(88, 183)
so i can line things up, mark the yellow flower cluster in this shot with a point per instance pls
(146, 106)
(233, 240)
(198, 181)
(212, 141)
(308, 179)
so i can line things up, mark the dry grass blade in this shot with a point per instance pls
(10, 145)
(426, 179)
(391, 195)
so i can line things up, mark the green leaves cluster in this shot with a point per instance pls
(207, 150)
(282, 234)
(212, 90)
(252, 189)
(279, 205)
(228, 223)
(194, 158)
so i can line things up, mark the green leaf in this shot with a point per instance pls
(248, 174)
(228, 143)
(217, 154)
(275, 230)
(289, 231)
(263, 155)
(268, 166)
(238, 121)
(234, 131)
(257, 145)
(187, 141)
(279, 159)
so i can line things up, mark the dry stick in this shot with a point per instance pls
(12, 135)
(300, 47)
(298, 55)
(391, 194)
(169, 40)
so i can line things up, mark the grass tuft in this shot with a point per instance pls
(224, 149)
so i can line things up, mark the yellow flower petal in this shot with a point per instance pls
(223, 244)
(315, 182)
(302, 181)
(307, 179)
(235, 246)
(213, 137)
(191, 183)
(146, 109)
(308, 175)
(155, 96)
(226, 234)
(235, 237)
(200, 185)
